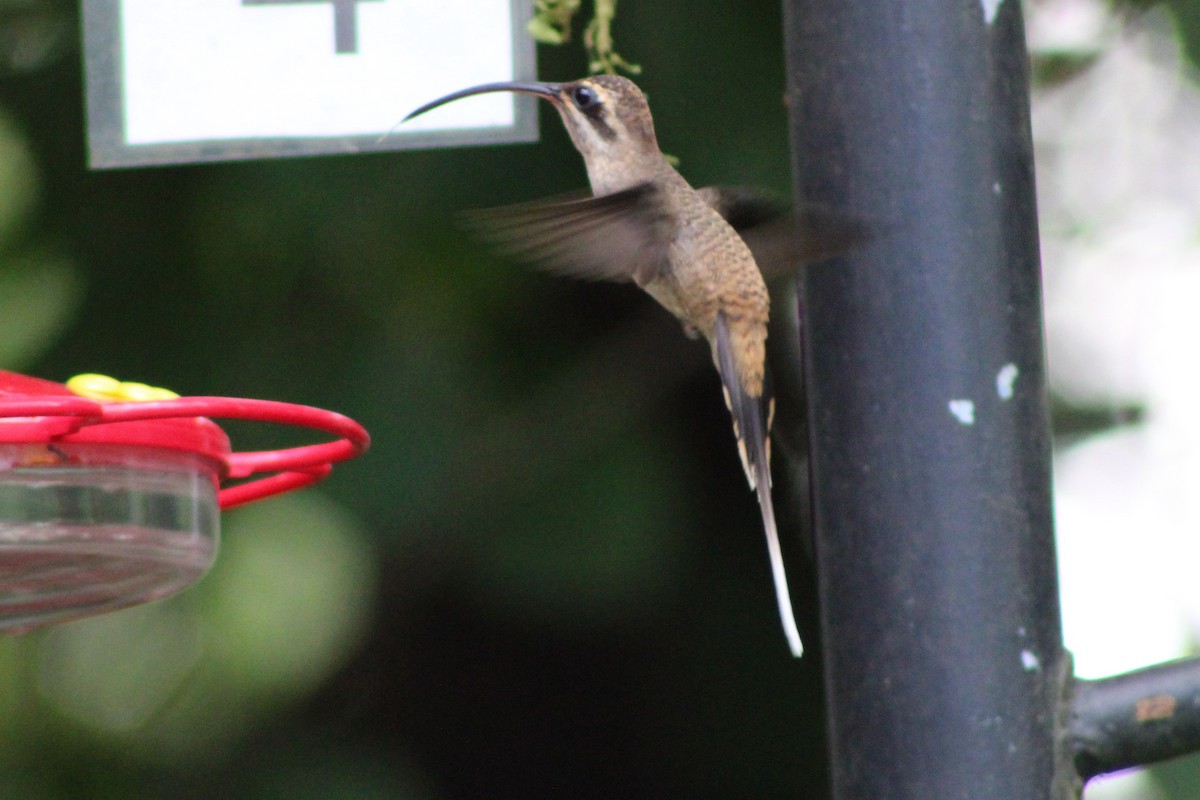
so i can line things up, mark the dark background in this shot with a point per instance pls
(546, 578)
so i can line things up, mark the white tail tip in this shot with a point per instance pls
(782, 596)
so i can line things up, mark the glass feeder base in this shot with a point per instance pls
(56, 573)
(97, 528)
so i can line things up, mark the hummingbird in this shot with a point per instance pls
(643, 223)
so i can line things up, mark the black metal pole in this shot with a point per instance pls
(1136, 718)
(929, 425)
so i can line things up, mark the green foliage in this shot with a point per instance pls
(287, 603)
(506, 594)
(39, 292)
(551, 24)
(598, 40)
(39, 286)
(547, 576)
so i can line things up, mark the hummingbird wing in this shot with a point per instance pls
(751, 426)
(622, 236)
(782, 241)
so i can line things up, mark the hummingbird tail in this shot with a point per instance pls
(751, 426)
(782, 595)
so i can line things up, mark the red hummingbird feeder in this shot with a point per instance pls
(110, 493)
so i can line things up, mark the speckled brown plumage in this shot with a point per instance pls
(645, 224)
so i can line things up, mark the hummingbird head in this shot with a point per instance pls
(607, 118)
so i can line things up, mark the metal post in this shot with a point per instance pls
(1136, 718)
(943, 652)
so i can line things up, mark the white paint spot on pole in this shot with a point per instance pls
(997, 189)
(963, 411)
(990, 8)
(1005, 379)
(1030, 661)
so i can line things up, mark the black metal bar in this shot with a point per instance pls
(1137, 718)
(929, 419)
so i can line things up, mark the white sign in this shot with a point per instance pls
(198, 80)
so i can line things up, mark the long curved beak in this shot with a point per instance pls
(549, 91)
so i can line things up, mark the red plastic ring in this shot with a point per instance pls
(292, 467)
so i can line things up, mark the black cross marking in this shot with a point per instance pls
(345, 19)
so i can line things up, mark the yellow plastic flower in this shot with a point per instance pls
(102, 387)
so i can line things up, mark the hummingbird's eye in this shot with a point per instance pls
(584, 97)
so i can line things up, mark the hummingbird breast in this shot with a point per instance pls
(712, 271)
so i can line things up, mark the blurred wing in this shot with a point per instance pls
(618, 237)
(751, 426)
(781, 241)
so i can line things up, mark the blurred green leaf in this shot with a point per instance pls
(291, 593)
(543, 32)
(39, 293)
(114, 673)
(15, 699)
(289, 598)
(33, 34)
(18, 179)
